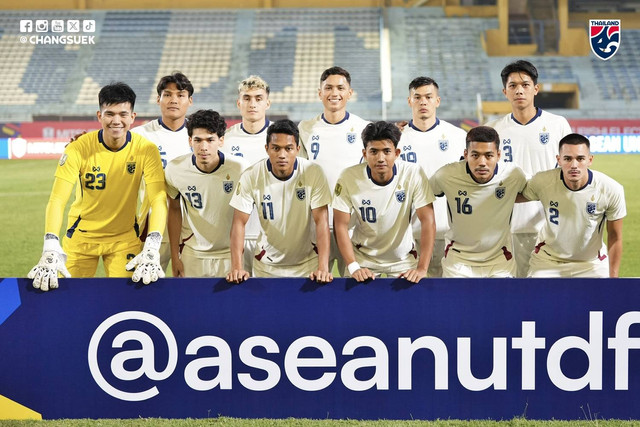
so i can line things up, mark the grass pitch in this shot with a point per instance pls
(25, 186)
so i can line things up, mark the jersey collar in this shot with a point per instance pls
(395, 172)
(466, 165)
(266, 125)
(538, 113)
(412, 126)
(589, 180)
(171, 130)
(270, 169)
(220, 163)
(101, 140)
(346, 117)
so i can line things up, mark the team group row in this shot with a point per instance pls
(255, 199)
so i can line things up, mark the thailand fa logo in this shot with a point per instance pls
(227, 186)
(604, 37)
(443, 144)
(301, 193)
(544, 138)
(131, 167)
(401, 196)
(351, 138)
(500, 192)
(591, 208)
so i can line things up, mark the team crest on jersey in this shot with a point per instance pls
(591, 208)
(351, 138)
(443, 144)
(544, 138)
(301, 193)
(500, 192)
(63, 159)
(401, 196)
(604, 37)
(227, 186)
(131, 167)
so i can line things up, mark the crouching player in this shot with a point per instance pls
(382, 193)
(480, 195)
(291, 195)
(577, 202)
(204, 183)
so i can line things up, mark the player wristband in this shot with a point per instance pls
(353, 267)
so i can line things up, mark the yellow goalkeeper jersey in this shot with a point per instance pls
(107, 185)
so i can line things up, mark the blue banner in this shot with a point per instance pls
(455, 348)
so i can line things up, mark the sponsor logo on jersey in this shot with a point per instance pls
(301, 193)
(591, 208)
(500, 192)
(351, 138)
(604, 37)
(401, 196)
(544, 138)
(63, 159)
(227, 186)
(131, 167)
(443, 144)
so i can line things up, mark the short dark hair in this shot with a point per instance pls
(335, 71)
(520, 66)
(483, 134)
(207, 119)
(380, 131)
(116, 93)
(181, 81)
(422, 81)
(574, 139)
(286, 127)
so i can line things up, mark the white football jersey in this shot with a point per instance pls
(249, 146)
(575, 220)
(287, 235)
(206, 196)
(533, 147)
(334, 147)
(439, 145)
(479, 214)
(382, 232)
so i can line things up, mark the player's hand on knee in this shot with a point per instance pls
(237, 275)
(414, 275)
(146, 265)
(45, 273)
(321, 276)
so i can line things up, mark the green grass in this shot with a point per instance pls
(25, 187)
(291, 422)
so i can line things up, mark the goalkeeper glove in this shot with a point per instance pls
(45, 274)
(146, 265)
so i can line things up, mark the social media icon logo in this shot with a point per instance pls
(89, 26)
(73, 25)
(57, 25)
(26, 26)
(42, 25)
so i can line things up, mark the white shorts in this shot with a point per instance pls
(199, 266)
(393, 269)
(453, 266)
(260, 269)
(523, 245)
(542, 266)
(249, 253)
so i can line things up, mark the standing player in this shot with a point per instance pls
(204, 181)
(480, 194)
(291, 195)
(577, 201)
(246, 140)
(431, 143)
(108, 165)
(530, 139)
(332, 139)
(382, 194)
(169, 133)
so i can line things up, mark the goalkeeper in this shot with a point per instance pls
(108, 165)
